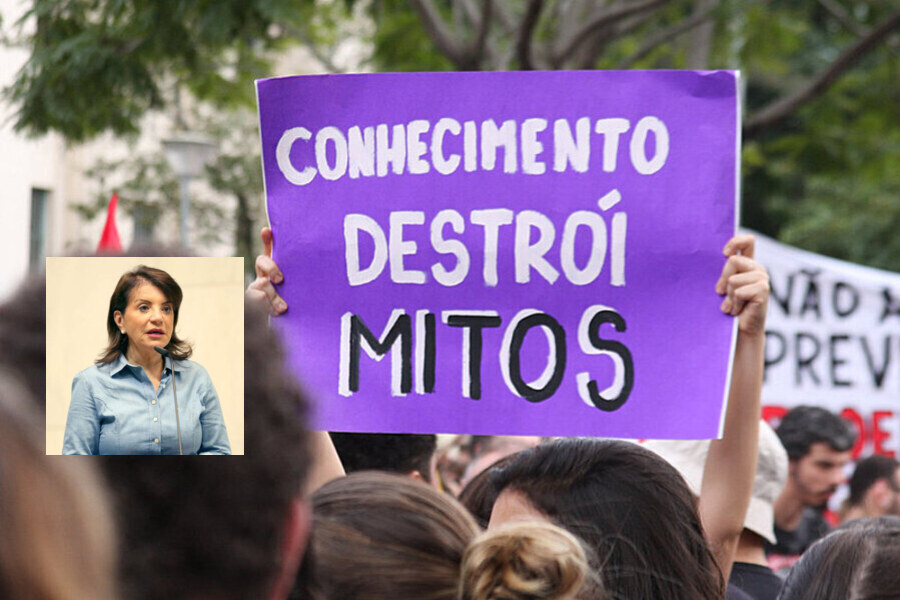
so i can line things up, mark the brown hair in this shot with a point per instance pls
(858, 561)
(214, 528)
(382, 536)
(525, 561)
(118, 342)
(56, 541)
(23, 336)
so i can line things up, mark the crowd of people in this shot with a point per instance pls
(308, 515)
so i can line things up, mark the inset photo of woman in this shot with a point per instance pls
(145, 355)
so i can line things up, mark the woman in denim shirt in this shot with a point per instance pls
(122, 404)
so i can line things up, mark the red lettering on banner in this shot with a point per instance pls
(879, 435)
(871, 435)
(772, 415)
(854, 417)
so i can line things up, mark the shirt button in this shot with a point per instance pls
(155, 440)
(155, 419)
(162, 385)
(153, 402)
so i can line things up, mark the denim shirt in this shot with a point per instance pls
(115, 410)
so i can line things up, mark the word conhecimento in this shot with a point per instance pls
(418, 147)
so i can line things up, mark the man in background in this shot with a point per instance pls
(818, 443)
(874, 489)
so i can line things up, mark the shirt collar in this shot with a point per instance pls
(121, 363)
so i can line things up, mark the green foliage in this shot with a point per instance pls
(399, 42)
(100, 65)
(828, 178)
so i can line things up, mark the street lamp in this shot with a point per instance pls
(187, 154)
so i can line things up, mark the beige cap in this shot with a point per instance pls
(689, 457)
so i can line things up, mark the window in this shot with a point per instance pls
(38, 232)
(144, 218)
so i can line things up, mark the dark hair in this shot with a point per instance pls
(23, 336)
(803, 426)
(118, 342)
(858, 561)
(213, 527)
(632, 509)
(868, 471)
(57, 535)
(394, 452)
(480, 493)
(382, 536)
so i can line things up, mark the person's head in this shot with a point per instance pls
(404, 453)
(526, 561)
(488, 449)
(858, 561)
(689, 457)
(23, 336)
(143, 313)
(56, 538)
(875, 486)
(383, 536)
(630, 507)
(818, 443)
(479, 494)
(227, 528)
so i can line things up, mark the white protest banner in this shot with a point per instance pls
(833, 340)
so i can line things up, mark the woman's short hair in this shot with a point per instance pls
(857, 561)
(632, 509)
(57, 538)
(118, 341)
(382, 536)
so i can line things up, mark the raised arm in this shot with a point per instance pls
(731, 463)
(261, 291)
(326, 463)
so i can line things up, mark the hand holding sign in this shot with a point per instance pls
(745, 285)
(261, 290)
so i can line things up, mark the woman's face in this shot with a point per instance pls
(148, 320)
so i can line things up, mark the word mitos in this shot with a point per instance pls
(413, 348)
(418, 147)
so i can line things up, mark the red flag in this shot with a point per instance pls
(109, 241)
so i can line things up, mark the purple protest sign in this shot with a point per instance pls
(535, 252)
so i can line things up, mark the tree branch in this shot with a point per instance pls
(818, 85)
(603, 19)
(504, 17)
(526, 31)
(475, 52)
(843, 17)
(469, 10)
(666, 35)
(436, 30)
(622, 29)
(848, 22)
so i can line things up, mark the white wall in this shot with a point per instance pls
(24, 164)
